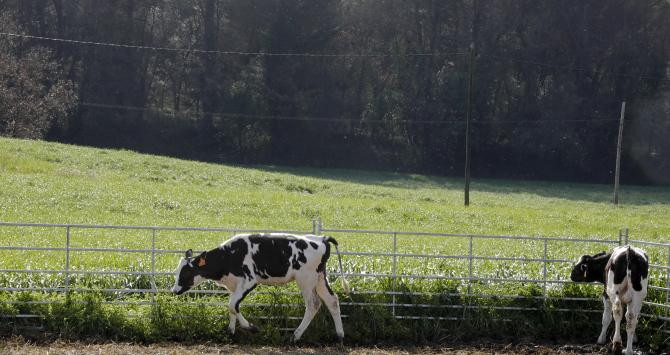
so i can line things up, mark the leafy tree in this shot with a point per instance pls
(34, 96)
(549, 78)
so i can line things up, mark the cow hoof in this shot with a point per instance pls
(293, 339)
(252, 328)
(617, 347)
(340, 340)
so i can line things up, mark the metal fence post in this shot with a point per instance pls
(626, 236)
(544, 271)
(470, 269)
(395, 254)
(314, 226)
(153, 265)
(620, 237)
(319, 226)
(67, 260)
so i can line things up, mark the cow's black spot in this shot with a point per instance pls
(639, 269)
(314, 245)
(302, 258)
(259, 273)
(301, 244)
(247, 272)
(324, 259)
(226, 260)
(619, 268)
(295, 263)
(273, 257)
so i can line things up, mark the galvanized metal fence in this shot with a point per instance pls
(136, 263)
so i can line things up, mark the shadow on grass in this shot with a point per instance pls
(597, 193)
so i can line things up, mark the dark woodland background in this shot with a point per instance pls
(549, 80)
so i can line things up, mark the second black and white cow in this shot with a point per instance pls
(246, 260)
(624, 272)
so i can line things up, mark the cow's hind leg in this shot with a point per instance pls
(241, 291)
(607, 319)
(617, 312)
(331, 301)
(312, 304)
(632, 313)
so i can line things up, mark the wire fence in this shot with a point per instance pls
(157, 49)
(134, 263)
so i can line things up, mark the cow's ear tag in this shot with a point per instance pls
(201, 262)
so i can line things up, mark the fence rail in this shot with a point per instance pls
(395, 256)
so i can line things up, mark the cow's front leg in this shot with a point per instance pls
(242, 289)
(607, 319)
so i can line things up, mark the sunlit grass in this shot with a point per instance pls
(54, 183)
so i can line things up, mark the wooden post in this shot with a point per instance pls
(467, 123)
(618, 154)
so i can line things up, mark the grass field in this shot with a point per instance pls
(54, 183)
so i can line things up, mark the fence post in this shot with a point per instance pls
(153, 265)
(544, 271)
(67, 260)
(667, 285)
(395, 251)
(468, 118)
(626, 236)
(319, 226)
(617, 169)
(620, 237)
(314, 226)
(470, 269)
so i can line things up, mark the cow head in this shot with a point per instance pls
(590, 268)
(187, 274)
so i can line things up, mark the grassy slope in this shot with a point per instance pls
(55, 183)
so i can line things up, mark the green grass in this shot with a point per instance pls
(55, 183)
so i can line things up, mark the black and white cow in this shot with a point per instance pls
(624, 273)
(246, 260)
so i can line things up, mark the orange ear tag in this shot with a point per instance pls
(201, 263)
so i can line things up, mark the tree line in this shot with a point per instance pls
(374, 84)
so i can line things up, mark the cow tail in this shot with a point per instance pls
(345, 284)
(629, 277)
(628, 261)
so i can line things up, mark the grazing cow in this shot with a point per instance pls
(624, 273)
(246, 260)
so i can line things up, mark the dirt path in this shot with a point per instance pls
(14, 346)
